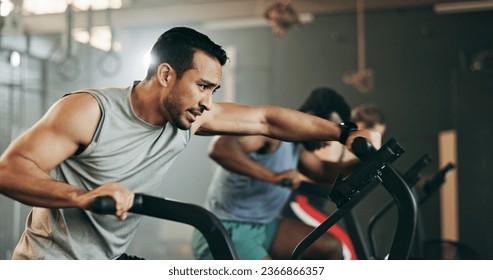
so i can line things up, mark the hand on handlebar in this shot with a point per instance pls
(122, 197)
(374, 138)
(290, 178)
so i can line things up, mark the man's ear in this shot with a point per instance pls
(164, 74)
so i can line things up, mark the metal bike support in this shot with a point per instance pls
(430, 187)
(411, 177)
(353, 228)
(355, 232)
(208, 224)
(348, 192)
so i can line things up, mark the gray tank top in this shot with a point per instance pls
(124, 149)
(236, 197)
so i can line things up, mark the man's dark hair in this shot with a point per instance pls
(323, 101)
(177, 47)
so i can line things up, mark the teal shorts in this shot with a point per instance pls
(251, 241)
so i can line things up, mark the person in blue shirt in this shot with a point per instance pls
(246, 194)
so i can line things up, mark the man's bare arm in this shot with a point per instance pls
(231, 153)
(324, 171)
(69, 124)
(276, 122)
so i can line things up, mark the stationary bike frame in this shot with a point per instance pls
(347, 193)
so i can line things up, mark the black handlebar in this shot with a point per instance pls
(413, 174)
(434, 183)
(286, 182)
(373, 163)
(106, 204)
(208, 224)
(362, 148)
(307, 188)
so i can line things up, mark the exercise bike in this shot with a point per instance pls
(200, 218)
(346, 193)
(424, 249)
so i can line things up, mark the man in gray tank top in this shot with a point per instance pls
(76, 153)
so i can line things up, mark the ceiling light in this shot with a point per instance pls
(15, 59)
(6, 7)
(97, 4)
(100, 37)
(44, 7)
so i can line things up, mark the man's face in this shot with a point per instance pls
(192, 94)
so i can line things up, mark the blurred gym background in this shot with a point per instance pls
(428, 64)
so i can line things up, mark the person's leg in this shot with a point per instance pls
(200, 247)
(248, 239)
(290, 233)
(314, 210)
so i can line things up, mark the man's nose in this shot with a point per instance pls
(206, 102)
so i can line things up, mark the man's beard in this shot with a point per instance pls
(175, 116)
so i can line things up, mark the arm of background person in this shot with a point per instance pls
(231, 153)
(276, 122)
(323, 171)
(69, 124)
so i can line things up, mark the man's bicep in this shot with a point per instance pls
(43, 147)
(244, 143)
(69, 124)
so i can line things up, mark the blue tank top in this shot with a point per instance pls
(235, 197)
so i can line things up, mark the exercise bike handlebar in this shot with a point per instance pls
(438, 179)
(361, 147)
(106, 204)
(413, 175)
(346, 193)
(208, 224)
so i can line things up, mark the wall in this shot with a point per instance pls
(21, 95)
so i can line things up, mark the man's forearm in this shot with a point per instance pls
(291, 125)
(25, 182)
